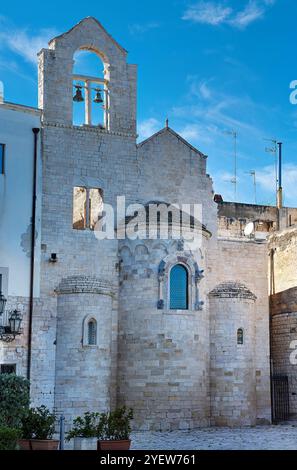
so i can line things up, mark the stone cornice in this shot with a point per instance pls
(93, 129)
(85, 285)
(232, 290)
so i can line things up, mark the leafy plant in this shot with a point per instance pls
(14, 399)
(115, 425)
(85, 426)
(39, 423)
(8, 438)
(111, 426)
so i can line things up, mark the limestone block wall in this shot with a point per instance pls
(83, 372)
(283, 311)
(233, 399)
(163, 354)
(282, 269)
(85, 156)
(234, 216)
(173, 171)
(75, 157)
(283, 306)
(246, 261)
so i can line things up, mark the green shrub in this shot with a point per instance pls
(8, 438)
(112, 426)
(38, 423)
(85, 426)
(115, 425)
(14, 399)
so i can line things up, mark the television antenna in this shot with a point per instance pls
(273, 150)
(253, 174)
(234, 135)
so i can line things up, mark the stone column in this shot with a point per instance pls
(232, 370)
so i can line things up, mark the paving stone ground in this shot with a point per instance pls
(281, 437)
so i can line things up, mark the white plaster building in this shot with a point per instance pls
(111, 324)
(16, 192)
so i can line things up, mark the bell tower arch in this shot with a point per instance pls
(117, 88)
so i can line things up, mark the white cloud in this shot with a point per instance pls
(252, 12)
(208, 12)
(23, 42)
(218, 13)
(266, 179)
(198, 134)
(148, 127)
(141, 28)
(202, 119)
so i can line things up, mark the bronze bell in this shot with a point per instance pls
(98, 97)
(78, 97)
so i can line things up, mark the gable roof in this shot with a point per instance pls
(87, 19)
(176, 135)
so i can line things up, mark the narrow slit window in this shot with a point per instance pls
(179, 288)
(92, 333)
(240, 336)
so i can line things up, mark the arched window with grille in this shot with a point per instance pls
(92, 332)
(179, 288)
(240, 336)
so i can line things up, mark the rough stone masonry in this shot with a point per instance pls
(105, 331)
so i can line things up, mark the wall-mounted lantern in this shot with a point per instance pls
(12, 329)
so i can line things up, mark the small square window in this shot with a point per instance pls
(8, 369)
(2, 157)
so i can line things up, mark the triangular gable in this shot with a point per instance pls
(87, 19)
(176, 135)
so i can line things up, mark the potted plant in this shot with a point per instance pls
(38, 427)
(114, 430)
(14, 406)
(8, 438)
(84, 431)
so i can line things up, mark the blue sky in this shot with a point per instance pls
(209, 66)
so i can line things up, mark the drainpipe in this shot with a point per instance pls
(32, 259)
(271, 292)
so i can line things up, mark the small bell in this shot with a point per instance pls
(78, 97)
(98, 97)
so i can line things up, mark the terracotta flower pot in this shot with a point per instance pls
(24, 444)
(48, 444)
(114, 445)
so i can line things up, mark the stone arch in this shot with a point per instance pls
(55, 76)
(160, 246)
(125, 254)
(141, 250)
(85, 330)
(195, 275)
(99, 53)
(178, 275)
(91, 101)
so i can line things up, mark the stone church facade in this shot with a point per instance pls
(104, 330)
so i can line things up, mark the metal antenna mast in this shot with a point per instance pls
(253, 174)
(234, 134)
(273, 150)
(280, 181)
